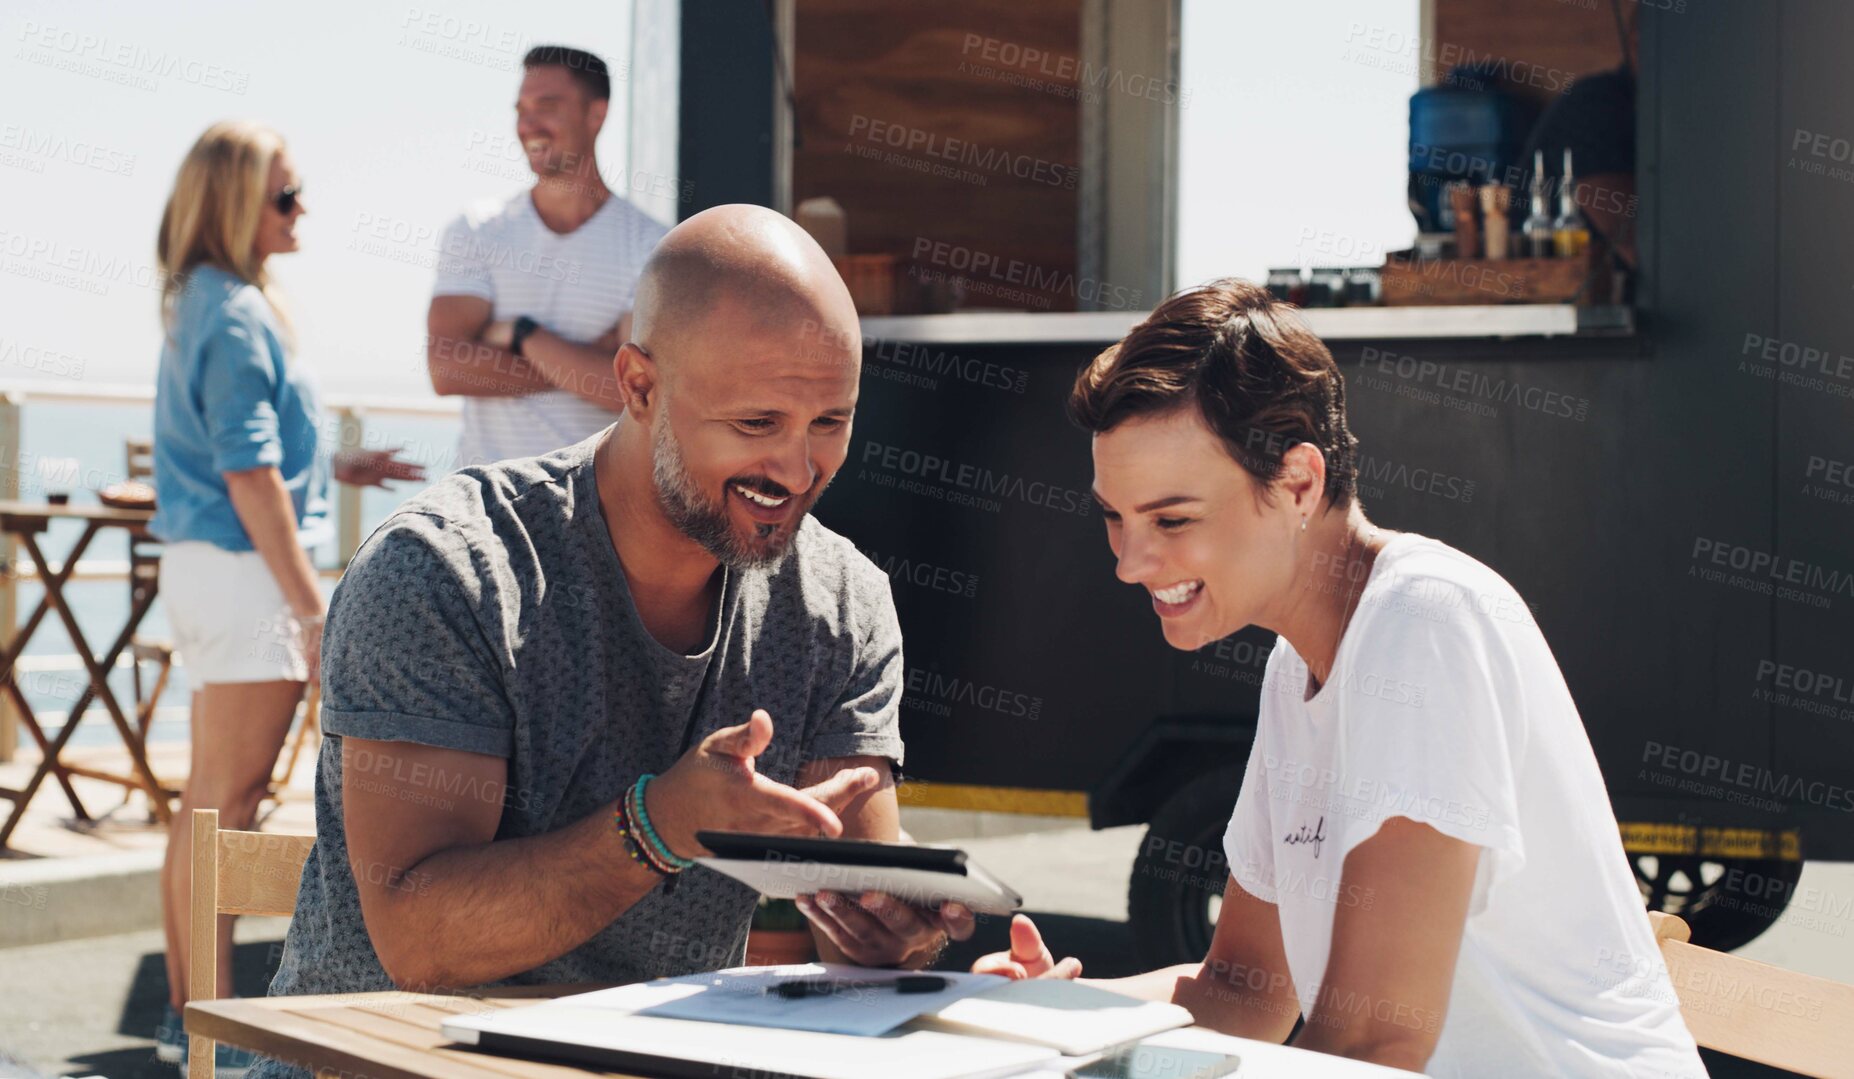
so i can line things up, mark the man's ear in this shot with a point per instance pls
(595, 115)
(639, 380)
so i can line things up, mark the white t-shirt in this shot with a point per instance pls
(1445, 706)
(576, 285)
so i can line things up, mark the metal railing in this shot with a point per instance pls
(349, 413)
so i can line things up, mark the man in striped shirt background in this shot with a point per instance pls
(534, 295)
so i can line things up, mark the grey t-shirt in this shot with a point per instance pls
(490, 614)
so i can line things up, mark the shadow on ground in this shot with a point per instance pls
(252, 967)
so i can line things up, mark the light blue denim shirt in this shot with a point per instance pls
(226, 400)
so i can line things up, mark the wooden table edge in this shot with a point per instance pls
(85, 511)
(232, 1022)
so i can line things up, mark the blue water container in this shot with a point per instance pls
(1462, 129)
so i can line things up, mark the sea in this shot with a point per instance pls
(50, 675)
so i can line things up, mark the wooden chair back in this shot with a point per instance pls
(1756, 1011)
(308, 734)
(138, 454)
(233, 873)
(144, 572)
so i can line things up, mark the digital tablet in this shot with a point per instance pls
(783, 866)
(841, 851)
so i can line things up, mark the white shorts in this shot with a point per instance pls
(230, 620)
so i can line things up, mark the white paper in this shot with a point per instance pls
(740, 995)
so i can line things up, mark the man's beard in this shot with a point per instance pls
(705, 520)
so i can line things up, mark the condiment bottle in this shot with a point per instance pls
(1494, 223)
(1570, 234)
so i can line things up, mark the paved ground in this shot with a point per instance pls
(88, 1006)
(49, 828)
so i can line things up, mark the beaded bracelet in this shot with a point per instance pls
(635, 832)
(634, 844)
(641, 817)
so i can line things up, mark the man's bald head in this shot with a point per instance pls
(742, 262)
(740, 380)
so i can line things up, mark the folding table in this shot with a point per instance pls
(26, 521)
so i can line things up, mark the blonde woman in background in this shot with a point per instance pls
(241, 493)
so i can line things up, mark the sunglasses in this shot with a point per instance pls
(285, 200)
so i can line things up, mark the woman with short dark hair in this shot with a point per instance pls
(1423, 858)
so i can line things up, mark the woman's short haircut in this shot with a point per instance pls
(586, 69)
(1260, 379)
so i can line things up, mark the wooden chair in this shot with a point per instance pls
(233, 873)
(144, 568)
(1756, 1011)
(307, 731)
(144, 564)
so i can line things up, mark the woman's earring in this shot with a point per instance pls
(1303, 523)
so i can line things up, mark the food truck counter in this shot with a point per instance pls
(1330, 323)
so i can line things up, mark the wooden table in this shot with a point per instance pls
(25, 521)
(395, 1036)
(376, 1035)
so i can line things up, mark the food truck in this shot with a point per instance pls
(1652, 439)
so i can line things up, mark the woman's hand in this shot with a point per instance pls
(372, 468)
(309, 635)
(1029, 957)
(263, 506)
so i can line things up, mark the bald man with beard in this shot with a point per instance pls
(518, 645)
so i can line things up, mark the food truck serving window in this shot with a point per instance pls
(1293, 133)
(1415, 153)
(1091, 157)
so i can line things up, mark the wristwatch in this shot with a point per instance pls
(523, 327)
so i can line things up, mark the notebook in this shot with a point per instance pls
(1077, 1019)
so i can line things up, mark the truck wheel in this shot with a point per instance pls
(1177, 885)
(1727, 901)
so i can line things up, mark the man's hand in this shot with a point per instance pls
(878, 930)
(1029, 957)
(372, 468)
(461, 363)
(499, 334)
(583, 369)
(714, 786)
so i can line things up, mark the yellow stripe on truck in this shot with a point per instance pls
(915, 794)
(1656, 837)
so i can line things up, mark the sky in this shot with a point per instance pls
(399, 115)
